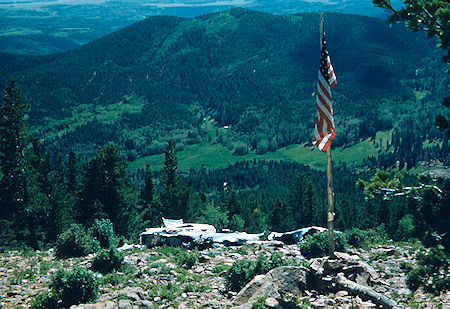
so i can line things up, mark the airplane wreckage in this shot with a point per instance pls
(203, 236)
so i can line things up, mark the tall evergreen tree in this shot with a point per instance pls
(302, 201)
(151, 215)
(39, 217)
(170, 193)
(13, 139)
(106, 192)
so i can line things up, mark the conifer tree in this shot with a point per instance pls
(170, 193)
(151, 215)
(13, 139)
(302, 201)
(106, 192)
(62, 201)
(39, 216)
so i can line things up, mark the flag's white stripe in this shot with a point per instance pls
(332, 79)
(322, 95)
(324, 141)
(324, 110)
(325, 83)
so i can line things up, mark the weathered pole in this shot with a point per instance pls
(330, 213)
(330, 216)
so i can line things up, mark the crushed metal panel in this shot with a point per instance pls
(294, 237)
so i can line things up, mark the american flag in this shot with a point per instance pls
(324, 130)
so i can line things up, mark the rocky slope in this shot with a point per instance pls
(154, 279)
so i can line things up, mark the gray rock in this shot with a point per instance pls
(144, 303)
(125, 304)
(281, 280)
(272, 303)
(204, 259)
(182, 306)
(341, 294)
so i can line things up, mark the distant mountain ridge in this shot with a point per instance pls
(44, 27)
(161, 78)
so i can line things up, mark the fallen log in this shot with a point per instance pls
(365, 292)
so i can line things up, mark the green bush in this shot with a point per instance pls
(260, 303)
(113, 279)
(44, 301)
(170, 291)
(75, 242)
(186, 258)
(366, 238)
(237, 223)
(107, 260)
(431, 272)
(103, 231)
(405, 228)
(262, 265)
(242, 271)
(316, 245)
(238, 275)
(69, 288)
(415, 278)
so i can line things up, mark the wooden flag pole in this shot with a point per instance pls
(330, 215)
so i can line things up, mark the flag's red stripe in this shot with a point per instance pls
(324, 129)
(325, 104)
(325, 90)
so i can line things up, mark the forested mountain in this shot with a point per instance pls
(161, 78)
(44, 27)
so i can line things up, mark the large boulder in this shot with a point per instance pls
(277, 282)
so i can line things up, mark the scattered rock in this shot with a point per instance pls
(277, 282)
(272, 303)
(341, 294)
(131, 295)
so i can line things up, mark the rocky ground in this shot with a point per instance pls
(154, 279)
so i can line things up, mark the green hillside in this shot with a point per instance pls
(185, 79)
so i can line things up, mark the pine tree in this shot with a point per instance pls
(302, 201)
(13, 139)
(39, 218)
(151, 215)
(170, 194)
(106, 192)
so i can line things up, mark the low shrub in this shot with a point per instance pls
(220, 269)
(68, 288)
(170, 291)
(260, 303)
(405, 229)
(102, 230)
(107, 260)
(238, 275)
(75, 242)
(44, 300)
(242, 271)
(169, 251)
(431, 272)
(113, 279)
(366, 239)
(316, 245)
(187, 259)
